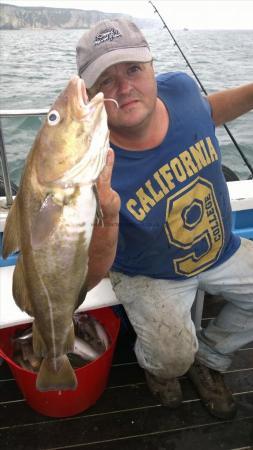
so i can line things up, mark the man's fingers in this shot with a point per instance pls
(106, 174)
(109, 199)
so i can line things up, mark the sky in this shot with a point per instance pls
(192, 14)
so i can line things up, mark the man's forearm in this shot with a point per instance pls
(230, 104)
(102, 250)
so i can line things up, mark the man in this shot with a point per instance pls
(175, 217)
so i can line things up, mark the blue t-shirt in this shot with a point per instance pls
(175, 217)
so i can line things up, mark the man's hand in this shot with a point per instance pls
(105, 236)
(108, 198)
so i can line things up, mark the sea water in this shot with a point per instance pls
(37, 64)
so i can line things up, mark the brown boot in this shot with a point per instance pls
(167, 391)
(212, 390)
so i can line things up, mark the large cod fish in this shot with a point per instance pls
(51, 223)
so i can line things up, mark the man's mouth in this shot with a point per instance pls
(128, 103)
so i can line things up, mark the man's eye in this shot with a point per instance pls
(106, 82)
(133, 69)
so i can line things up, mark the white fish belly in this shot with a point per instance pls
(79, 218)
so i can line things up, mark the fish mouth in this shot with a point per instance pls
(87, 109)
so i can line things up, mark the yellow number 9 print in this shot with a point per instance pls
(193, 223)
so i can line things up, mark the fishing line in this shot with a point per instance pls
(202, 87)
(111, 100)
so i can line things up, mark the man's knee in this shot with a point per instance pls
(170, 358)
(179, 361)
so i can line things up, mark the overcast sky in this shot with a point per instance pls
(193, 14)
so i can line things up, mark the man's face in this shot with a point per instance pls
(133, 86)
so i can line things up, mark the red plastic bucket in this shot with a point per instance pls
(92, 378)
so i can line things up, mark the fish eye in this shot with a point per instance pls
(53, 117)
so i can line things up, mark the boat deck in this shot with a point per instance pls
(128, 417)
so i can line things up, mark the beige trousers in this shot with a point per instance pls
(160, 312)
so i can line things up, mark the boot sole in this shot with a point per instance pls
(220, 414)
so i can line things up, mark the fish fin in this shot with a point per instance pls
(19, 289)
(11, 241)
(45, 221)
(50, 380)
(99, 212)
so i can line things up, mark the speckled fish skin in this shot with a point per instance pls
(51, 223)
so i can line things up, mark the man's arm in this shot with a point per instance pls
(105, 236)
(230, 104)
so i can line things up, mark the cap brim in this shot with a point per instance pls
(96, 68)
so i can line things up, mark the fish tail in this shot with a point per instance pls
(49, 379)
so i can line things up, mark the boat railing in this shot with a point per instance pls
(22, 112)
(6, 113)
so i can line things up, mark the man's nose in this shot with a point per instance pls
(124, 85)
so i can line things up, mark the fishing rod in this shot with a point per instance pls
(202, 87)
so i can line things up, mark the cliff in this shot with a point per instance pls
(17, 17)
